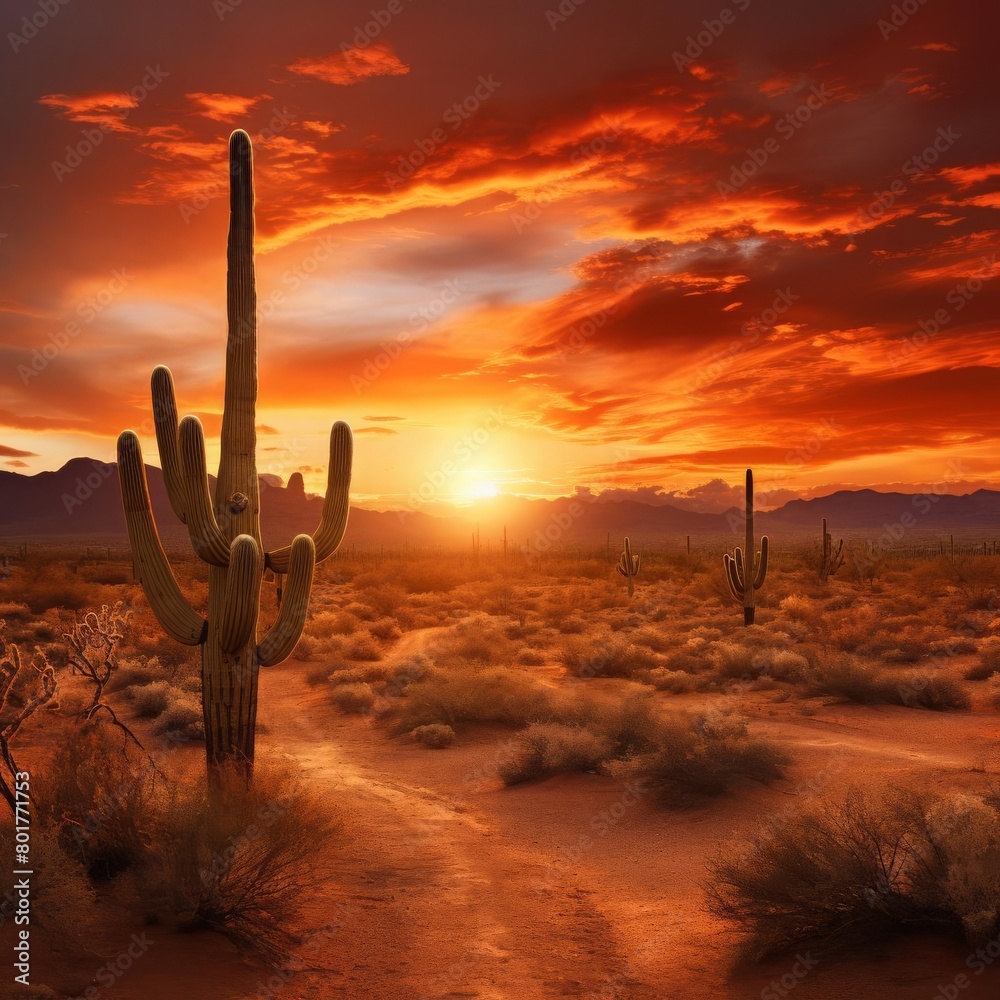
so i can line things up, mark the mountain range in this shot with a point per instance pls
(82, 500)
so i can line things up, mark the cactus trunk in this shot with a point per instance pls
(225, 530)
(745, 572)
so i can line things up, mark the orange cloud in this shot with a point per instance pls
(224, 107)
(353, 65)
(106, 109)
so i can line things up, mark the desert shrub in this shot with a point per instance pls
(989, 659)
(938, 692)
(319, 675)
(151, 700)
(100, 802)
(629, 724)
(734, 660)
(488, 695)
(385, 629)
(435, 736)
(703, 755)
(306, 648)
(182, 720)
(861, 867)
(354, 699)
(547, 748)
(131, 672)
(614, 656)
(786, 665)
(63, 900)
(847, 676)
(531, 657)
(239, 860)
(672, 681)
(850, 677)
(362, 646)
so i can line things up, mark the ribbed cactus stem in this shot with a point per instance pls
(225, 529)
(628, 565)
(745, 573)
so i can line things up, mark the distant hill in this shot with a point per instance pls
(82, 499)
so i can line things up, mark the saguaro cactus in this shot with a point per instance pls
(225, 529)
(833, 559)
(629, 565)
(746, 575)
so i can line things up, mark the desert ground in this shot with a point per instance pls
(504, 778)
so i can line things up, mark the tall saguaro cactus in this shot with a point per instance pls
(225, 529)
(746, 574)
(628, 565)
(833, 558)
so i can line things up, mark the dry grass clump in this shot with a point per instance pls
(609, 656)
(241, 861)
(150, 700)
(497, 695)
(434, 737)
(362, 646)
(182, 720)
(703, 755)
(855, 679)
(989, 660)
(353, 699)
(547, 748)
(863, 867)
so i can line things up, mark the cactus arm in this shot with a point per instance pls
(243, 580)
(336, 506)
(280, 640)
(151, 568)
(165, 420)
(761, 571)
(740, 568)
(621, 570)
(208, 541)
(732, 577)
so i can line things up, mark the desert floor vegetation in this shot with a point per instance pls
(533, 681)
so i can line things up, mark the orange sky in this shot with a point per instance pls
(545, 217)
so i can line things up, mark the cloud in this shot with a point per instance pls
(7, 452)
(353, 65)
(224, 107)
(375, 430)
(108, 110)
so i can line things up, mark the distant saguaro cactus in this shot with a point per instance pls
(746, 575)
(833, 559)
(225, 530)
(629, 565)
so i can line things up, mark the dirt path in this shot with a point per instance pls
(575, 887)
(440, 902)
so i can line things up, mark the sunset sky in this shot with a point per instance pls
(603, 253)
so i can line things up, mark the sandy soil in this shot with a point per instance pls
(449, 885)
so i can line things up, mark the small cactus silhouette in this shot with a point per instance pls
(833, 559)
(629, 565)
(746, 574)
(225, 529)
